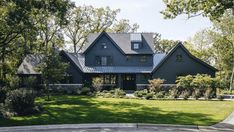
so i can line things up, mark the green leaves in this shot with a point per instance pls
(214, 9)
(52, 68)
(87, 19)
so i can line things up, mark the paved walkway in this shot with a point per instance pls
(225, 126)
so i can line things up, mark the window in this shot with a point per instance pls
(109, 60)
(98, 60)
(136, 46)
(143, 59)
(128, 58)
(108, 79)
(104, 60)
(145, 77)
(104, 46)
(179, 58)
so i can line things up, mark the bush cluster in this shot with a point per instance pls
(196, 86)
(21, 102)
(71, 91)
(115, 93)
(147, 94)
(200, 85)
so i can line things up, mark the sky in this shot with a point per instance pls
(146, 13)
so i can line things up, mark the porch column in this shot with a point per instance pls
(119, 85)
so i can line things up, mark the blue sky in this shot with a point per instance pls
(147, 14)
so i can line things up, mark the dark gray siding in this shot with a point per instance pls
(142, 78)
(118, 58)
(171, 68)
(73, 71)
(76, 74)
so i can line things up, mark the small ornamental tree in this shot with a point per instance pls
(97, 83)
(184, 82)
(202, 81)
(155, 84)
(52, 69)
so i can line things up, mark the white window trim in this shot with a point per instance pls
(136, 46)
(104, 60)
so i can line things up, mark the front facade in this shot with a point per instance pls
(125, 60)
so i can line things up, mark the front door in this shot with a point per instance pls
(129, 82)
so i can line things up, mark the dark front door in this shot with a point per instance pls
(129, 82)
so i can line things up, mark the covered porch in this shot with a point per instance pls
(125, 81)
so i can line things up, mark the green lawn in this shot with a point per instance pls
(80, 109)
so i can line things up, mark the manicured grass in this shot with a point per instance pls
(81, 109)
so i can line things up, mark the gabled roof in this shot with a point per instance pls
(73, 58)
(123, 42)
(192, 56)
(29, 64)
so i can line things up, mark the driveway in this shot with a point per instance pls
(225, 126)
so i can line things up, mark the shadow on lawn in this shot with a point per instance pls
(77, 109)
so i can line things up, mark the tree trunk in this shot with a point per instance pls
(3, 68)
(231, 80)
(74, 47)
(47, 91)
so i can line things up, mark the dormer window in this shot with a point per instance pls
(136, 46)
(136, 41)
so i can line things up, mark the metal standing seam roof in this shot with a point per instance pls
(80, 61)
(31, 61)
(29, 64)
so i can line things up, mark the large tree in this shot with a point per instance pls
(214, 9)
(18, 28)
(87, 19)
(216, 46)
(163, 45)
(52, 69)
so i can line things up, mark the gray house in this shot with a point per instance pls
(125, 60)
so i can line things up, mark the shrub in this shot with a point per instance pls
(155, 85)
(196, 94)
(3, 92)
(2, 110)
(116, 93)
(119, 93)
(174, 93)
(140, 93)
(185, 95)
(159, 95)
(108, 95)
(220, 97)
(202, 81)
(208, 93)
(184, 82)
(12, 81)
(78, 91)
(149, 95)
(97, 83)
(85, 91)
(20, 101)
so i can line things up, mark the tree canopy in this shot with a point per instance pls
(83, 20)
(214, 9)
